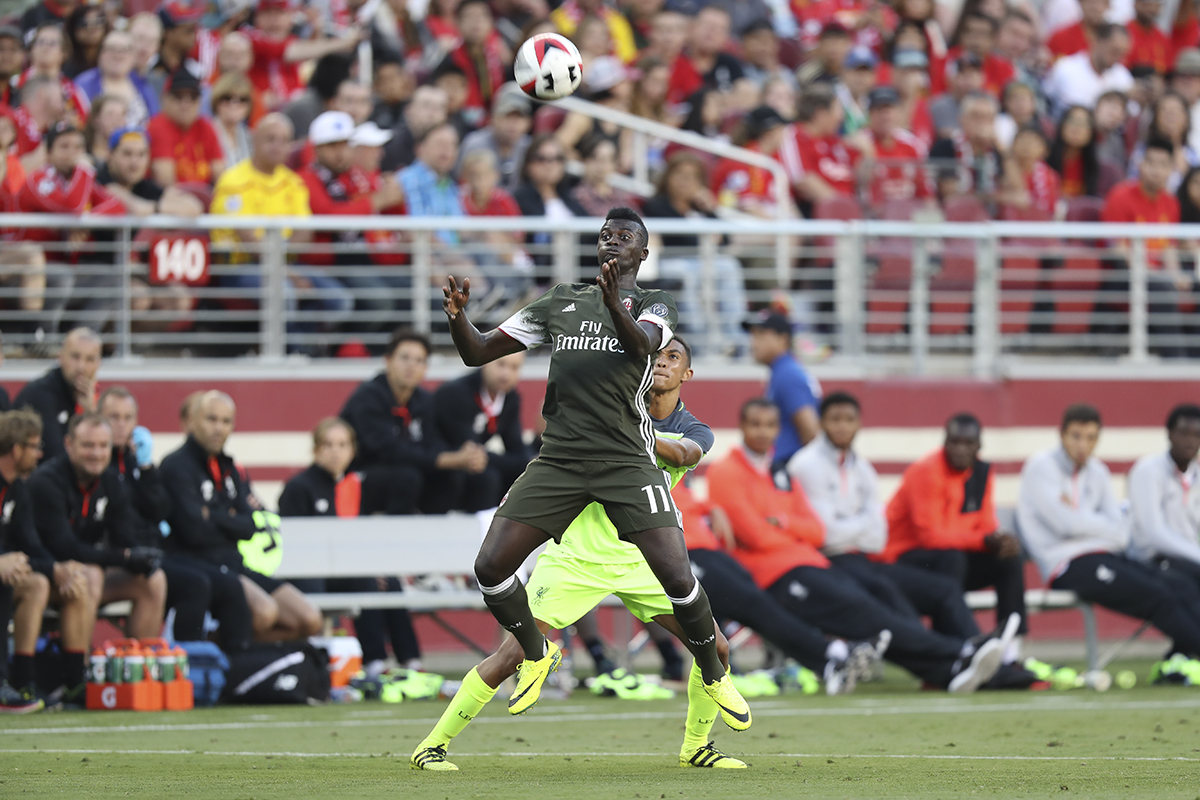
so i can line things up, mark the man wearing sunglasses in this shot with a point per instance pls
(184, 147)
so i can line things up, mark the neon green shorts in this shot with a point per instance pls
(563, 590)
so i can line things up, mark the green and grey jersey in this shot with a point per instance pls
(595, 395)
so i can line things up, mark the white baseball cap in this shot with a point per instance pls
(330, 127)
(370, 135)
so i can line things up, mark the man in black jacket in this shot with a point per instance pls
(483, 407)
(210, 514)
(399, 445)
(66, 390)
(82, 513)
(193, 586)
(29, 576)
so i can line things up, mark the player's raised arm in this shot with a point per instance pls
(678, 452)
(639, 339)
(475, 348)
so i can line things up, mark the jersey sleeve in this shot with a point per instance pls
(531, 325)
(658, 308)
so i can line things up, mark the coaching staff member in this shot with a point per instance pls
(66, 390)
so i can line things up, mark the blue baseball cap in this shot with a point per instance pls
(121, 133)
(860, 57)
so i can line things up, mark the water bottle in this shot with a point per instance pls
(135, 666)
(116, 666)
(151, 666)
(181, 664)
(97, 667)
(166, 666)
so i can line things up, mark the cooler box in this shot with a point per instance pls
(345, 657)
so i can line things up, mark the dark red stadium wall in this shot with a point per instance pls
(295, 405)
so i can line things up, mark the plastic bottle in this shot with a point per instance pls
(135, 664)
(98, 667)
(166, 666)
(116, 665)
(181, 664)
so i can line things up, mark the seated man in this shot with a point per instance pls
(194, 587)
(30, 578)
(484, 407)
(1072, 524)
(777, 536)
(210, 513)
(942, 520)
(394, 421)
(1164, 499)
(328, 489)
(843, 490)
(81, 513)
(68, 389)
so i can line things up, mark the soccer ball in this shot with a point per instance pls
(548, 67)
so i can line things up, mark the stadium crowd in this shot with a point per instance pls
(1029, 109)
(793, 539)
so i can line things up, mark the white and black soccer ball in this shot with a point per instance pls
(548, 67)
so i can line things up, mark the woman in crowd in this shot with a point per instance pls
(649, 101)
(544, 193)
(607, 84)
(1018, 109)
(86, 27)
(593, 191)
(47, 54)
(232, 99)
(482, 196)
(108, 115)
(1170, 119)
(115, 76)
(1073, 154)
(1029, 183)
(593, 40)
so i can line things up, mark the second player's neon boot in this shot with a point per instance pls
(708, 756)
(432, 759)
(530, 677)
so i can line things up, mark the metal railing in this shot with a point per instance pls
(992, 291)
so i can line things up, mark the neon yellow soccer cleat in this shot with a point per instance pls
(708, 756)
(734, 709)
(432, 759)
(530, 677)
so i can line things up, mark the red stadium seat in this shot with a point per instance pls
(1076, 287)
(1020, 271)
(952, 289)
(888, 290)
(548, 119)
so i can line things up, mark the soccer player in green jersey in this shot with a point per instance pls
(591, 562)
(598, 447)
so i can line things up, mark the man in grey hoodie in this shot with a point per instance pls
(1073, 527)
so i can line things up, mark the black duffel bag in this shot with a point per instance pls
(287, 672)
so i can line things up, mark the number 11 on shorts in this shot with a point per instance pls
(666, 502)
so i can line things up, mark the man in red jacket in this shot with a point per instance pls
(943, 519)
(65, 184)
(777, 536)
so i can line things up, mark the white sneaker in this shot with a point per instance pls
(980, 669)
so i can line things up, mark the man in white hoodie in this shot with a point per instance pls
(1073, 527)
(1164, 500)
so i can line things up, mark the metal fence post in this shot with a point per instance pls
(274, 309)
(124, 349)
(918, 304)
(986, 339)
(641, 160)
(848, 287)
(782, 251)
(708, 296)
(1139, 312)
(422, 279)
(565, 266)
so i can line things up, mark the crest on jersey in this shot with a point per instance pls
(6, 514)
(101, 507)
(414, 430)
(480, 424)
(63, 416)
(322, 505)
(206, 491)
(230, 488)
(659, 310)
(628, 303)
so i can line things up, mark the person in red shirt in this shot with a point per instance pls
(819, 164)
(66, 184)
(1148, 46)
(910, 76)
(668, 36)
(1078, 37)
(776, 537)
(278, 54)
(977, 35)
(47, 54)
(745, 187)
(184, 145)
(1073, 154)
(943, 519)
(898, 157)
(42, 107)
(1031, 183)
(481, 57)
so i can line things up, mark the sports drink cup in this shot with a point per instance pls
(135, 668)
(116, 667)
(166, 666)
(181, 664)
(151, 666)
(97, 667)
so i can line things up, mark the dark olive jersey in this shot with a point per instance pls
(595, 395)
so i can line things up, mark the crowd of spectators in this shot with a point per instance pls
(982, 109)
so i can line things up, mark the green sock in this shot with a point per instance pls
(701, 713)
(467, 702)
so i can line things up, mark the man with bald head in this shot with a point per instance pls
(262, 186)
(210, 513)
(66, 390)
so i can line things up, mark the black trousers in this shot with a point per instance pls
(912, 590)
(733, 594)
(977, 570)
(392, 489)
(6, 611)
(839, 606)
(374, 625)
(226, 601)
(1139, 591)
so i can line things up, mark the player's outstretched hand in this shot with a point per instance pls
(455, 299)
(608, 279)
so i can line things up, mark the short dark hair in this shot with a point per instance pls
(755, 402)
(421, 137)
(1107, 30)
(16, 427)
(979, 16)
(1081, 413)
(629, 215)
(1159, 143)
(1182, 411)
(114, 392)
(687, 348)
(465, 3)
(838, 399)
(402, 335)
(964, 419)
(86, 418)
(814, 100)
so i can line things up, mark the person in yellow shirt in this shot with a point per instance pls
(262, 186)
(568, 15)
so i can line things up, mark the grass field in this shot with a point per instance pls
(886, 740)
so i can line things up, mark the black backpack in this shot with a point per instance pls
(287, 672)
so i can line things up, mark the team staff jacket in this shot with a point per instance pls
(17, 532)
(316, 493)
(775, 528)
(209, 511)
(463, 416)
(89, 524)
(940, 508)
(389, 433)
(697, 534)
(54, 401)
(149, 503)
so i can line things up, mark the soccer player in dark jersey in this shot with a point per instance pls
(598, 447)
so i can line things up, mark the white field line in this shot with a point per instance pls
(593, 754)
(934, 707)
